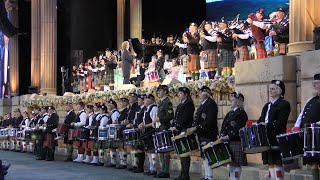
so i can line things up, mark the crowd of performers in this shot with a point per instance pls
(213, 48)
(137, 124)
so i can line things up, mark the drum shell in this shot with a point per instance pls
(36, 134)
(84, 134)
(147, 141)
(217, 154)
(291, 145)
(27, 134)
(131, 136)
(312, 140)
(162, 141)
(103, 133)
(254, 139)
(185, 144)
(116, 132)
(94, 133)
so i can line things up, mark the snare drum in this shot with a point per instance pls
(103, 133)
(254, 139)
(291, 145)
(147, 141)
(93, 132)
(20, 135)
(84, 134)
(73, 134)
(312, 140)
(61, 129)
(115, 132)
(36, 134)
(27, 134)
(12, 132)
(217, 154)
(162, 141)
(131, 136)
(185, 144)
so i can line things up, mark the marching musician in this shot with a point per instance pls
(310, 114)
(182, 121)
(102, 121)
(40, 153)
(79, 122)
(192, 38)
(15, 122)
(209, 51)
(159, 65)
(275, 116)
(49, 143)
(258, 27)
(280, 31)
(225, 46)
(110, 66)
(70, 118)
(5, 124)
(33, 119)
(164, 116)
(134, 107)
(96, 124)
(205, 124)
(89, 142)
(242, 42)
(24, 126)
(113, 119)
(232, 123)
(148, 126)
(122, 119)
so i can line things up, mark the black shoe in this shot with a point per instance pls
(138, 170)
(40, 158)
(49, 159)
(121, 167)
(163, 175)
(111, 165)
(98, 164)
(69, 159)
(131, 168)
(152, 173)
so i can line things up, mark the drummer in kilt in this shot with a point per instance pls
(232, 123)
(148, 126)
(96, 124)
(70, 118)
(88, 144)
(164, 115)
(275, 116)
(40, 125)
(205, 124)
(49, 142)
(113, 119)
(80, 121)
(310, 114)
(122, 154)
(102, 121)
(182, 121)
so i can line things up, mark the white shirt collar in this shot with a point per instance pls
(273, 101)
(204, 101)
(163, 98)
(234, 109)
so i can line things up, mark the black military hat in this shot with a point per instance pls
(150, 96)
(89, 106)
(26, 112)
(163, 87)
(222, 20)
(205, 89)
(81, 103)
(184, 90)
(316, 77)
(142, 96)
(51, 108)
(193, 24)
(124, 99)
(280, 84)
(44, 107)
(238, 96)
(208, 22)
(160, 51)
(280, 9)
(17, 110)
(103, 107)
(133, 94)
(111, 101)
(97, 105)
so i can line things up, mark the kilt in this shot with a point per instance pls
(185, 60)
(110, 77)
(49, 141)
(194, 62)
(77, 144)
(226, 58)
(237, 155)
(88, 144)
(283, 48)
(110, 144)
(261, 51)
(210, 58)
(272, 157)
(243, 54)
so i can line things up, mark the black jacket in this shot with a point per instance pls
(70, 118)
(232, 123)
(278, 118)
(15, 122)
(206, 120)
(132, 111)
(52, 122)
(311, 112)
(193, 45)
(184, 115)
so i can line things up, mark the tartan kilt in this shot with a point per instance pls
(110, 77)
(210, 58)
(194, 62)
(49, 141)
(111, 144)
(226, 58)
(261, 51)
(88, 144)
(237, 155)
(272, 157)
(243, 54)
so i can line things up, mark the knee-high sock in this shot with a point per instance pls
(134, 158)
(31, 146)
(69, 150)
(162, 162)
(123, 157)
(101, 155)
(207, 170)
(279, 172)
(166, 163)
(234, 172)
(152, 161)
(112, 157)
(272, 174)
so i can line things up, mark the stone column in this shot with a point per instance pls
(136, 19)
(301, 26)
(48, 46)
(120, 21)
(12, 8)
(35, 43)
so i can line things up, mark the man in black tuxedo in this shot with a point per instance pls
(70, 118)
(205, 124)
